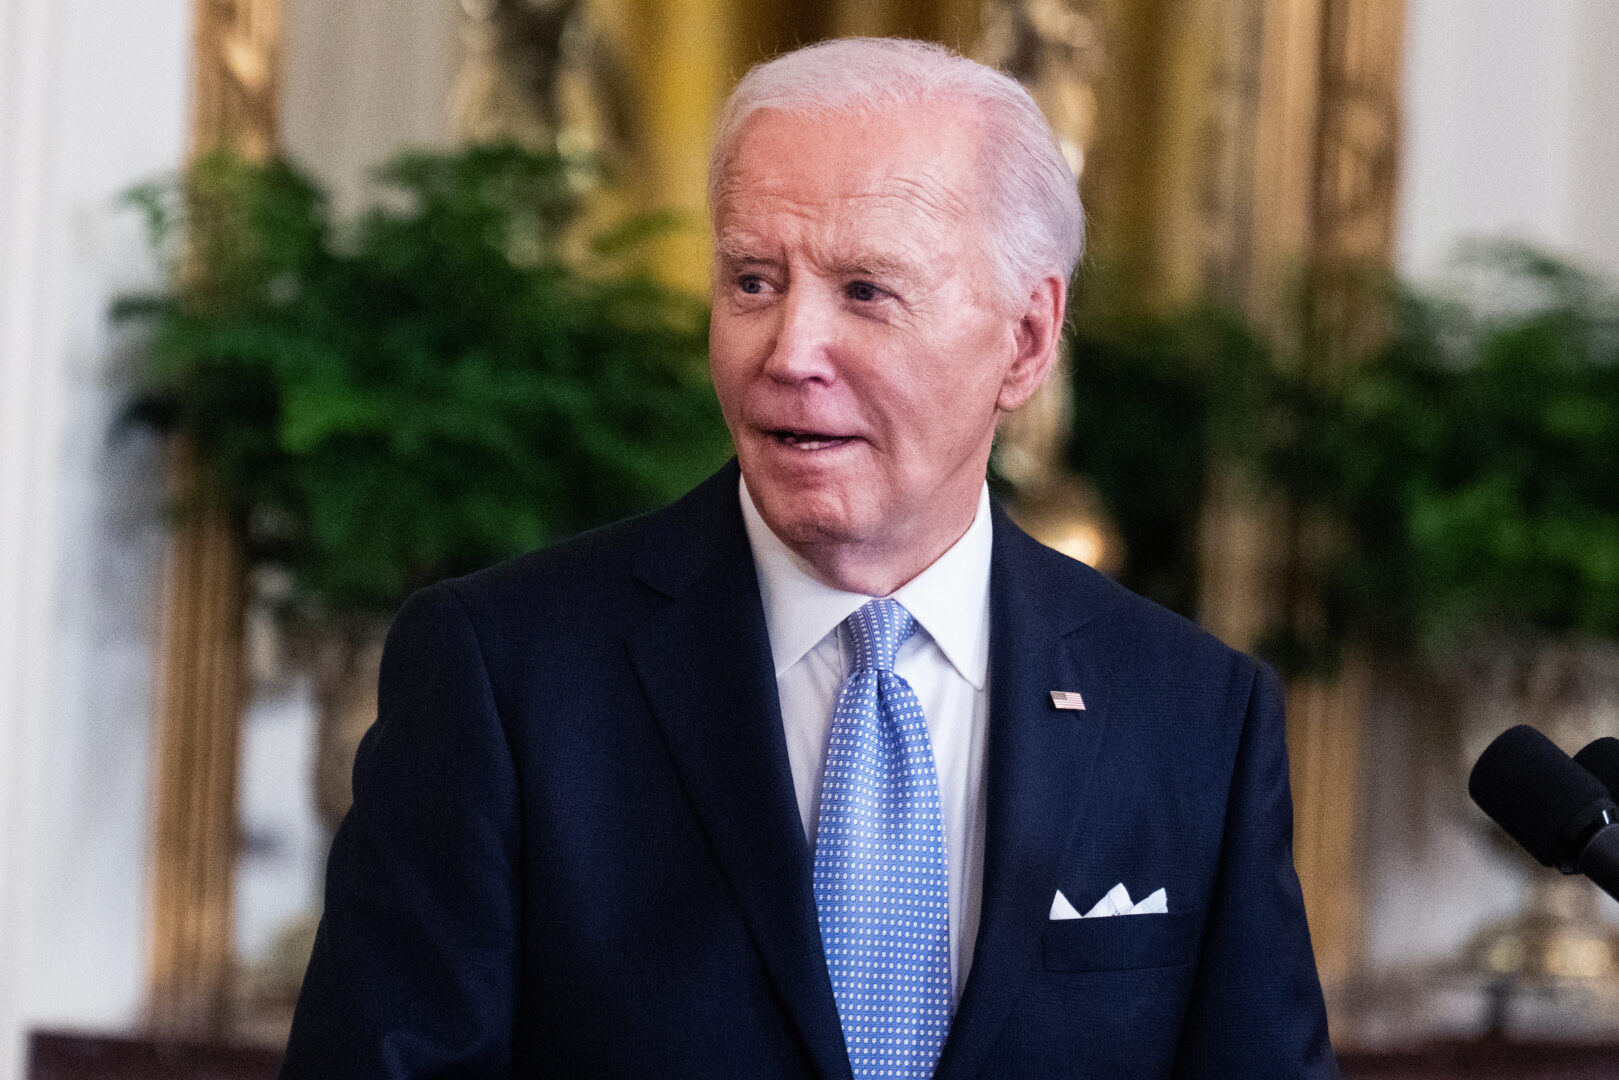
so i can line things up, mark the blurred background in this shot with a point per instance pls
(306, 303)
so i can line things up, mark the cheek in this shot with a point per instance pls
(952, 402)
(981, 362)
(727, 362)
(957, 375)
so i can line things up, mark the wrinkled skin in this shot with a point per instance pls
(860, 345)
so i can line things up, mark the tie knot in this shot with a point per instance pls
(879, 629)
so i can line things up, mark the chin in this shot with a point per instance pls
(807, 517)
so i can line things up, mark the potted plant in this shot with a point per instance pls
(1463, 452)
(1157, 400)
(452, 377)
(1472, 461)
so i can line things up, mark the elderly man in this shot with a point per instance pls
(827, 770)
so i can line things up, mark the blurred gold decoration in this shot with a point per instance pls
(1357, 150)
(1054, 506)
(632, 85)
(538, 73)
(1560, 935)
(1054, 47)
(236, 81)
(1351, 197)
(347, 663)
(1296, 141)
(1063, 512)
(194, 834)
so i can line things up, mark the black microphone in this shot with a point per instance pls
(1600, 758)
(1560, 813)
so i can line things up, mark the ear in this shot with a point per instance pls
(1035, 340)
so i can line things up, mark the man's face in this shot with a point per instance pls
(859, 347)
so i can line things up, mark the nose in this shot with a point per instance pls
(802, 350)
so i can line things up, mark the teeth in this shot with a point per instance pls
(806, 441)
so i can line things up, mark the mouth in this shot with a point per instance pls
(807, 440)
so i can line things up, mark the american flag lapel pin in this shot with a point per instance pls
(1068, 699)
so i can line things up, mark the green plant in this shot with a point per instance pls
(1446, 469)
(1155, 400)
(1473, 460)
(424, 390)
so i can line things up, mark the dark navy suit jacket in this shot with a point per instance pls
(575, 849)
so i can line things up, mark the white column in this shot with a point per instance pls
(1511, 128)
(1594, 142)
(92, 98)
(362, 79)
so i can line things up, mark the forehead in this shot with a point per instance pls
(911, 168)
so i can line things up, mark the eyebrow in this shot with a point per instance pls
(730, 252)
(873, 264)
(736, 254)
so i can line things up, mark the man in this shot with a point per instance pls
(814, 773)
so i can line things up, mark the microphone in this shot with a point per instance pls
(1600, 758)
(1558, 811)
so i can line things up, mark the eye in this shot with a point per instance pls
(752, 284)
(863, 291)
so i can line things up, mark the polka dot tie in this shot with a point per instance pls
(882, 885)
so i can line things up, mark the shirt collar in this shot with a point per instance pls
(949, 599)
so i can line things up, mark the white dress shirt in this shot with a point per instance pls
(946, 662)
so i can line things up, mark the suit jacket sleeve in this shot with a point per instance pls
(413, 971)
(1256, 1007)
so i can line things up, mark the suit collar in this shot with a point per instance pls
(684, 538)
(703, 660)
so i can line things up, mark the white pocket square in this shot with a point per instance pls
(1116, 902)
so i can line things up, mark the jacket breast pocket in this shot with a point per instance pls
(1122, 942)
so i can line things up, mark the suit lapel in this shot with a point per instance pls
(704, 664)
(1039, 764)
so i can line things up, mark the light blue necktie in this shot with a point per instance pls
(882, 883)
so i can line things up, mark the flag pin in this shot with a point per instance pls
(1068, 699)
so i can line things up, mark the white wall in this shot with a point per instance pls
(1511, 128)
(1594, 147)
(363, 78)
(93, 96)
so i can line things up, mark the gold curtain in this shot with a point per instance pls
(236, 68)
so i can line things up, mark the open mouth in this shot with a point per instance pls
(808, 440)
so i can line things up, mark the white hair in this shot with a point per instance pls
(1034, 225)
